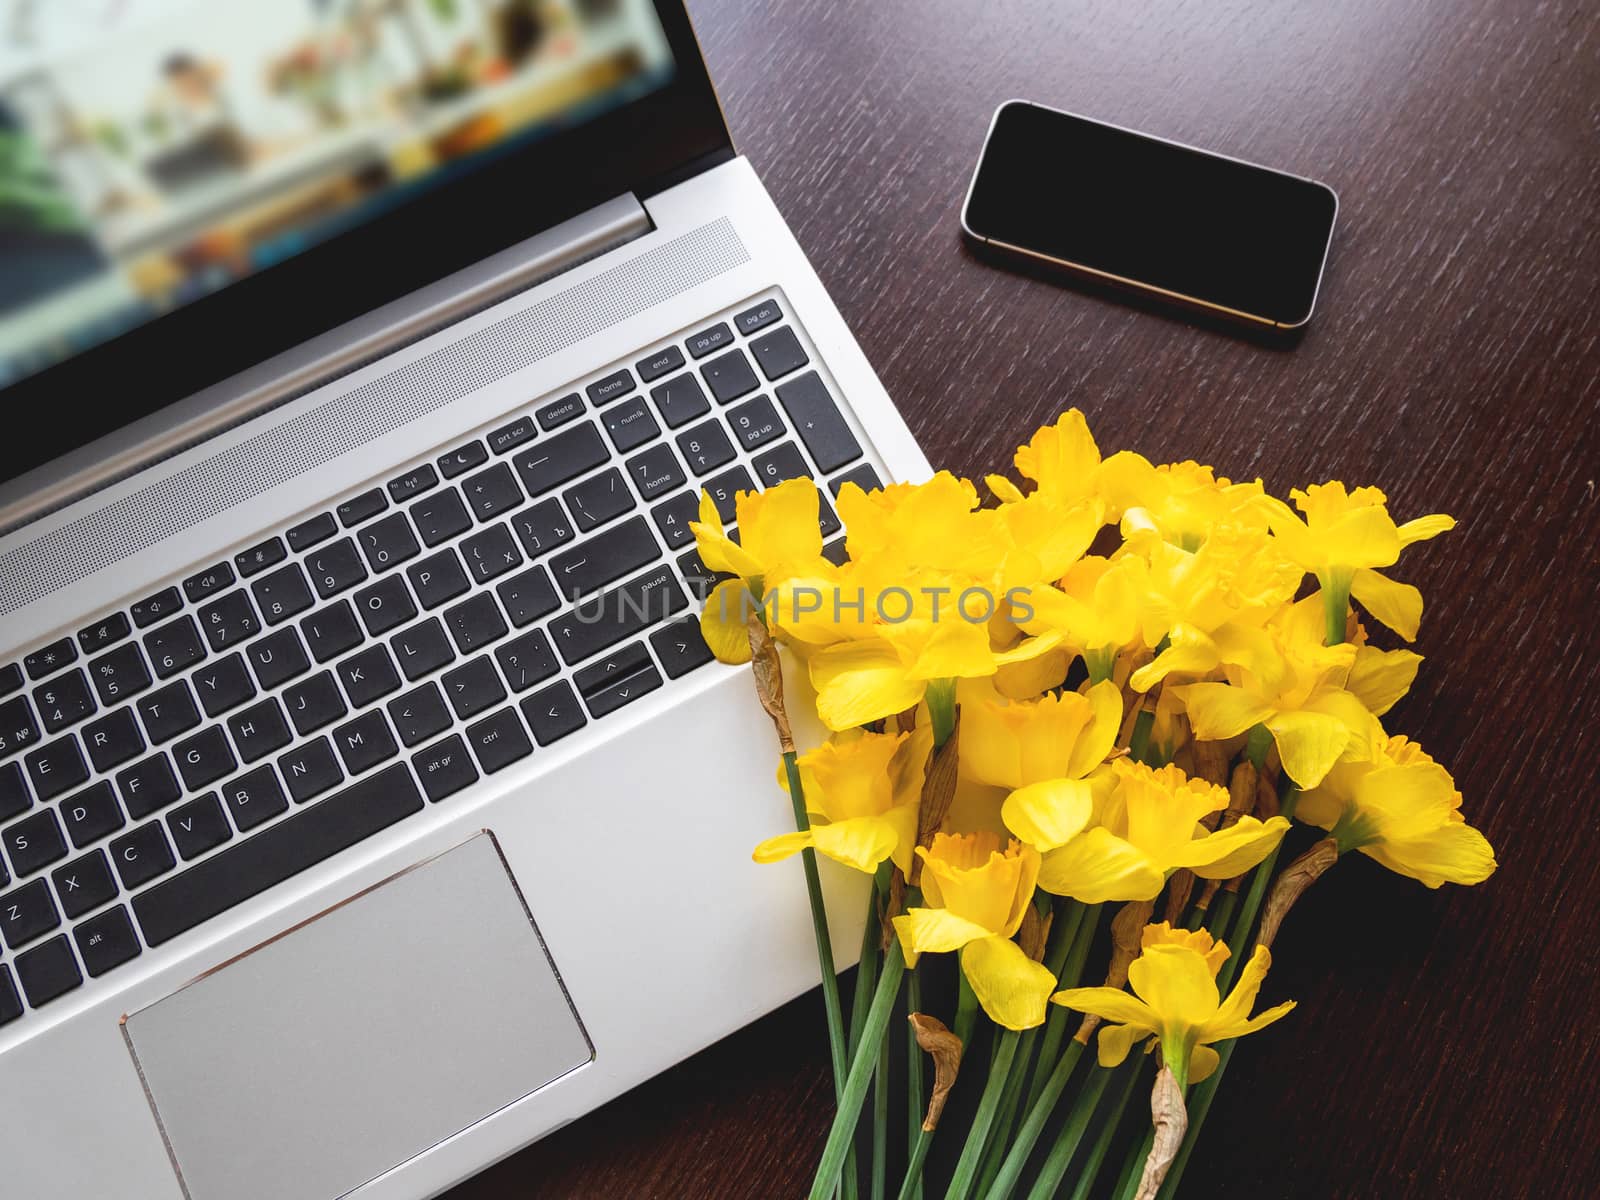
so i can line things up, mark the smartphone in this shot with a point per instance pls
(1205, 231)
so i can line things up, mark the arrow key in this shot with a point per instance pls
(624, 691)
(619, 664)
(680, 647)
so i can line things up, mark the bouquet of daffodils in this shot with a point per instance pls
(1099, 700)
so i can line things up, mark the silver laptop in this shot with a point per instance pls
(369, 804)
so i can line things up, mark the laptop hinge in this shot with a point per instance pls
(322, 359)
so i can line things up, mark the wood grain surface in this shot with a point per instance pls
(1446, 1043)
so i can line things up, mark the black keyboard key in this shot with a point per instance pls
(27, 912)
(755, 422)
(11, 678)
(106, 940)
(48, 971)
(779, 353)
(119, 674)
(148, 786)
(473, 687)
(680, 400)
(707, 340)
(361, 508)
(423, 648)
(169, 712)
(91, 814)
(275, 854)
(595, 501)
(113, 740)
(604, 558)
(282, 595)
(33, 843)
(730, 376)
(509, 437)
(18, 729)
(475, 622)
(258, 558)
(438, 578)
(527, 660)
(630, 425)
(618, 664)
(444, 768)
(55, 767)
(813, 413)
(655, 472)
(310, 770)
(705, 447)
(559, 412)
(419, 714)
(528, 596)
(259, 730)
(142, 855)
(389, 542)
(413, 483)
(490, 554)
(672, 518)
(385, 605)
(153, 608)
(10, 1000)
(612, 387)
(499, 740)
(47, 660)
(204, 584)
(680, 647)
(277, 658)
(623, 612)
(335, 567)
(204, 758)
(492, 492)
(662, 362)
(254, 798)
(14, 797)
(65, 700)
(563, 457)
(103, 633)
(368, 676)
(725, 487)
(554, 713)
(863, 476)
(542, 528)
(229, 620)
(827, 521)
(330, 631)
(462, 459)
(198, 826)
(758, 316)
(624, 691)
(223, 686)
(365, 742)
(780, 463)
(308, 533)
(84, 883)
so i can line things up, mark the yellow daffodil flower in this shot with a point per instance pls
(1146, 824)
(1179, 503)
(1010, 743)
(778, 535)
(908, 529)
(1061, 460)
(976, 890)
(1345, 537)
(1402, 809)
(863, 793)
(1175, 1001)
(1095, 608)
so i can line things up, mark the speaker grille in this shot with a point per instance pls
(200, 491)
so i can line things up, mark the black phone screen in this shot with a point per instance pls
(1140, 210)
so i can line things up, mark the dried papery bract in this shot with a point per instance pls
(1035, 932)
(1170, 1122)
(945, 1049)
(767, 669)
(1127, 930)
(1291, 885)
(938, 791)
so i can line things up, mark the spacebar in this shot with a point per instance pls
(276, 853)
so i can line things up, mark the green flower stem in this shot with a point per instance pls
(1010, 1098)
(880, 1123)
(863, 1067)
(922, 1141)
(1038, 1113)
(916, 1102)
(941, 697)
(1199, 1104)
(988, 1104)
(871, 953)
(1139, 739)
(1335, 606)
(911, 1186)
(1066, 1144)
(1055, 1025)
(1133, 1168)
(1108, 1132)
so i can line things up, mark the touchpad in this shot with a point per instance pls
(327, 1056)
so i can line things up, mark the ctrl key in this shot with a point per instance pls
(48, 971)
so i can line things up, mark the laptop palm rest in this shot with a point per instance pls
(323, 1058)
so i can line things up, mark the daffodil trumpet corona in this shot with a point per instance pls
(1021, 703)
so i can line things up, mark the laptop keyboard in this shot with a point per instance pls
(219, 736)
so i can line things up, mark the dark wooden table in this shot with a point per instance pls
(1446, 1042)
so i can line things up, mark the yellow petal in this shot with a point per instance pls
(1203, 1061)
(935, 931)
(1423, 528)
(1232, 851)
(1047, 814)
(861, 842)
(1110, 1004)
(859, 682)
(1004, 490)
(1309, 743)
(1115, 1041)
(1100, 734)
(1189, 652)
(776, 849)
(1454, 853)
(1217, 711)
(1097, 866)
(1397, 605)
(722, 621)
(1379, 678)
(1176, 982)
(1010, 986)
(717, 550)
(1232, 1018)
